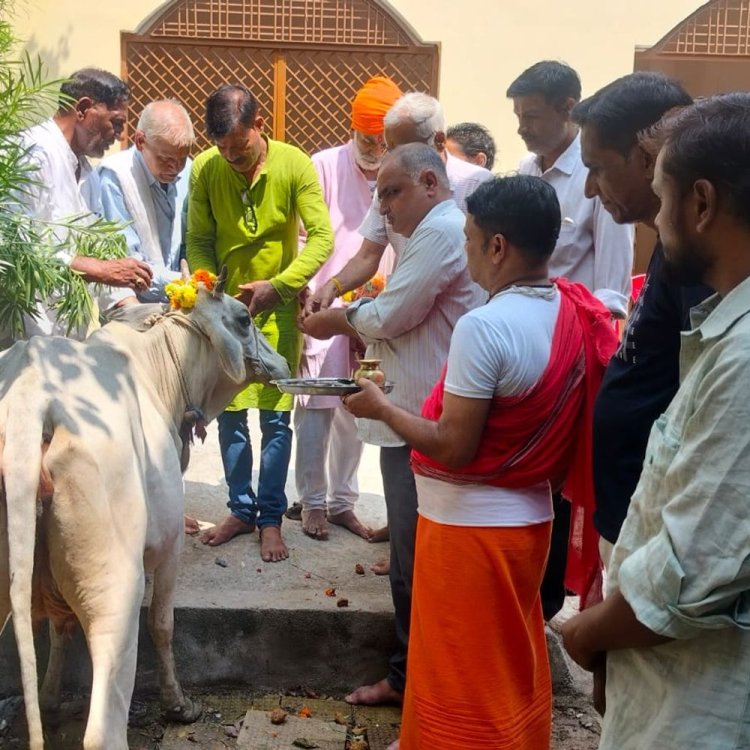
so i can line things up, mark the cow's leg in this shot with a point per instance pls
(111, 630)
(176, 705)
(49, 695)
(95, 538)
(4, 564)
(106, 598)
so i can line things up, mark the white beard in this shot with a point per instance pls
(365, 161)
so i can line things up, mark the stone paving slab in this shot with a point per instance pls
(258, 733)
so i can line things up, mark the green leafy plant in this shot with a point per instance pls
(33, 253)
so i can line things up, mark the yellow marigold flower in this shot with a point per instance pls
(188, 295)
(172, 290)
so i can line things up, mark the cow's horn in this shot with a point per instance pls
(184, 270)
(220, 283)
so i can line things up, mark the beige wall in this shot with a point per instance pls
(485, 43)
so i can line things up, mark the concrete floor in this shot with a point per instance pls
(313, 565)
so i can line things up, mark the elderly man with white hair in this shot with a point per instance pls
(146, 187)
(414, 118)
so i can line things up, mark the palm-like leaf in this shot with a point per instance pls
(33, 253)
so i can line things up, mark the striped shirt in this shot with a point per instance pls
(409, 325)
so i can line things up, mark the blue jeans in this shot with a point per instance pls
(237, 456)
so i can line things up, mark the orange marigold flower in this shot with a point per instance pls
(206, 278)
(371, 288)
(305, 712)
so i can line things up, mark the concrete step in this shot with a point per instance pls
(269, 626)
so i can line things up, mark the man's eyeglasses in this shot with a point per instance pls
(251, 220)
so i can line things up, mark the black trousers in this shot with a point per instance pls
(400, 492)
(553, 583)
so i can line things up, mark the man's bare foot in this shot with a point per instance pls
(229, 528)
(272, 547)
(191, 525)
(381, 567)
(375, 695)
(380, 535)
(394, 745)
(314, 523)
(348, 520)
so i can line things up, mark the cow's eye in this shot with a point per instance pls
(245, 320)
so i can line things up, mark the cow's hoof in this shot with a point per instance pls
(187, 713)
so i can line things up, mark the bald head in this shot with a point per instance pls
(414, 159)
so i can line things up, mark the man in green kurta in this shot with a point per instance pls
(247, 197)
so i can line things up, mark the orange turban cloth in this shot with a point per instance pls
(371, 103)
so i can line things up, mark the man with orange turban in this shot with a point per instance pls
(371, 103)
(328, 449)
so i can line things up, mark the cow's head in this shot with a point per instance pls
(243, 351)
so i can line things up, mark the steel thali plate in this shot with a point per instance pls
(322, 386)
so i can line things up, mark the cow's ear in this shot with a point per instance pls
(231, 355)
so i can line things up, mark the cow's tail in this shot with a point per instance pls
(21, 465)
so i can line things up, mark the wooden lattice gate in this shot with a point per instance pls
(708, 52)
(303, 59)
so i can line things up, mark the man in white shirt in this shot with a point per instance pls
(146, 188)
(90, 117)
(414, 118)
(496, 429)
(592, 249)
(408, 327)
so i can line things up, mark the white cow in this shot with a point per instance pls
(92, 496)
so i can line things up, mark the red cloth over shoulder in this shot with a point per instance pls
(545, 434)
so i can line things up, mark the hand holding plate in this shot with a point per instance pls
(370, 402)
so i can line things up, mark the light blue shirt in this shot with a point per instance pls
(170, 205)
(682, 560)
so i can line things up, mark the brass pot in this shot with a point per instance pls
(370, 370)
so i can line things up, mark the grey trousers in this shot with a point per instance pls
(401, 504)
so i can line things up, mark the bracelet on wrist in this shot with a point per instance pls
(339, 287)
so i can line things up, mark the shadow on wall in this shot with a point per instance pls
(55, 58)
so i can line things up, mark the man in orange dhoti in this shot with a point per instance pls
(508, 422)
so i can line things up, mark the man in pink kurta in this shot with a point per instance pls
(328, 449)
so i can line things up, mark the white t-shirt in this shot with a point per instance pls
(499, 349)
